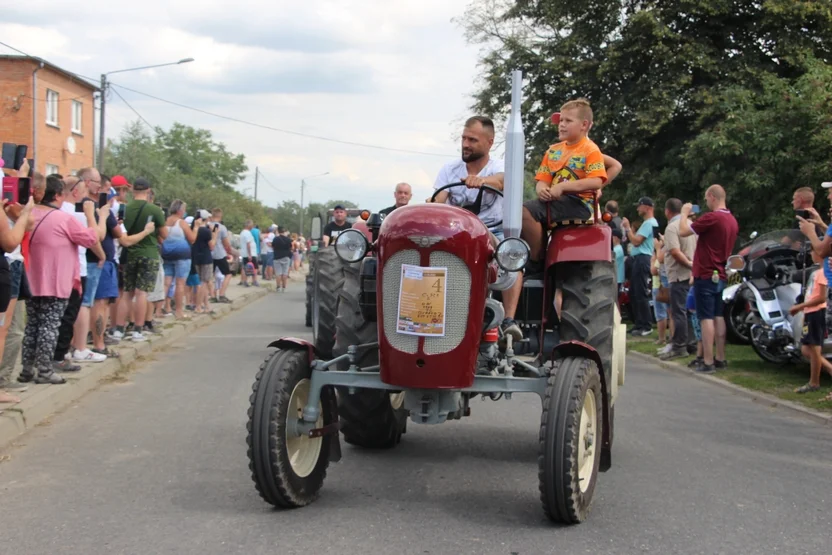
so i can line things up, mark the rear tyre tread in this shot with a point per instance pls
(367, 417)
(330, 280)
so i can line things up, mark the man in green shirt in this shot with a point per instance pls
(640, 278)
(142, 258)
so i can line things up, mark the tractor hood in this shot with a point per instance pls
(453, 241)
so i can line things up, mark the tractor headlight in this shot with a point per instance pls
(351, 245)
(512, 254)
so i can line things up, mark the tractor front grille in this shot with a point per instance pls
(456, 308)
(390, 300)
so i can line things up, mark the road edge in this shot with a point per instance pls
(37, 408)
(756, 396)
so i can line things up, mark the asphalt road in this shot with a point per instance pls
(158, 465)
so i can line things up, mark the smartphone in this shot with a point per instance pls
(695, 209)
(149, 219)
(79, 206)
(10, 185)
(803, 214)
(102, 199)
(165, 212)
(24, 189)
(121, 210)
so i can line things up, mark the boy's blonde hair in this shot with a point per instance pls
(581, 105)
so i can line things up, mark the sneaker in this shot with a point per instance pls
(65, 366)
(138, 337)
(51, 378)
(87, 356)
(117, 335)
(673, 353)
(110, 341)
(703, 368)
(664, 350)
(720, 364)
(695, 362)
(645, 332)
(25, 378)
(510, 327)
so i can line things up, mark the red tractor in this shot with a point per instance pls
(417, 337)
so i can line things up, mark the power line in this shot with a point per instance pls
(134, 110)
(287, 131)
(269, 182)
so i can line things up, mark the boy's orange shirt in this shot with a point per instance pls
(816, 281)
(583, 158)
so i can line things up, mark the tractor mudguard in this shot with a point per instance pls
(588, 243)
(579, 349)
(289, 343)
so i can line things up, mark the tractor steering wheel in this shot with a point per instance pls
(477, 205)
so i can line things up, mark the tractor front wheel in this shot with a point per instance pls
(288, 468)
(571, 432)
(370, 418)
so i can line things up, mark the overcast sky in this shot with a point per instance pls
(397, 74)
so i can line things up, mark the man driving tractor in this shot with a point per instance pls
(569, 180)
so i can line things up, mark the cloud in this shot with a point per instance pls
(394, 74)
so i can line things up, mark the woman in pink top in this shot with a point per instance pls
(54, 272)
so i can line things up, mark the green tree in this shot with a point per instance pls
(660, 74)
(186, 164)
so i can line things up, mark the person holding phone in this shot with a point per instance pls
(142, 258)
(641, 253)
(53, 249)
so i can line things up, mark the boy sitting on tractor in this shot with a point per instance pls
(569, 180)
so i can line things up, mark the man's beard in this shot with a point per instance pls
(472, 156)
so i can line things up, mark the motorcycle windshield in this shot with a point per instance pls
(787, 239)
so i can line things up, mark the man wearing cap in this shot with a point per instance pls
(642, 251)
(282, 247)
(333, 229)
(402, 195)
(142, 265)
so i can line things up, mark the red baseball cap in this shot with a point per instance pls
(119, 181)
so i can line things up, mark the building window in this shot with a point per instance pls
(76, 117)
(50, 169)
(51, 107)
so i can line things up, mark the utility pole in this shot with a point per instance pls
(101, 130)
(256, 171)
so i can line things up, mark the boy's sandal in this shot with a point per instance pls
(807, 388)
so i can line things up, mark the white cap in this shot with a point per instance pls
(204, 214)
(189, 220)
(826, 184)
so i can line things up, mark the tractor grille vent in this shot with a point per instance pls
(457, 302)
(390, 300)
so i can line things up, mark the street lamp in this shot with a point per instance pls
(302, 185)
(104, 101)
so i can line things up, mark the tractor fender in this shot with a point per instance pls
(295, 344)
(587, 243)
(580, 349)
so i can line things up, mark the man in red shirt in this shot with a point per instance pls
(717, 232)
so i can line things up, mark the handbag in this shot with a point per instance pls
(663, 295)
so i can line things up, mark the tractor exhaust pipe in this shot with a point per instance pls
(515, 156)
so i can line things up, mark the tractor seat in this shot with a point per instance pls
(594, 215)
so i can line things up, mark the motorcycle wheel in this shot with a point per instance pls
(778, 357)
(736, 323)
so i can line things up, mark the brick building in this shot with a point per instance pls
(50, 110)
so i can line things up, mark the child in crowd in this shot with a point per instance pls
(814, 326)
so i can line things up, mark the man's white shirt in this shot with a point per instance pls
(456, 171)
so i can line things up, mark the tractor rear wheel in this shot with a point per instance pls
(571, 431)
(588, 309)
(328, 282)
(370, 418)
(288, 469)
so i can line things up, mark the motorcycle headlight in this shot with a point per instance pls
(351, 245)
(512, 254)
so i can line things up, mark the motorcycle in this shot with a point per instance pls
(736, 300)
(775, 271)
